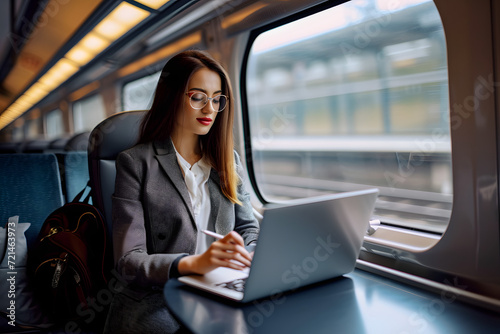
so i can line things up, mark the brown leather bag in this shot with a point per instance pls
(70, 260)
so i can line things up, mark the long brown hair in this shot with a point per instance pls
(158, 124)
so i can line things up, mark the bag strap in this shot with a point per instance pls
(78, 197)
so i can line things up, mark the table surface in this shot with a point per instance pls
(359, 302)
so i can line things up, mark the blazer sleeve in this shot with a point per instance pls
(132, 260)
(245, 222)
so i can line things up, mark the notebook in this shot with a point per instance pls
(300, 243)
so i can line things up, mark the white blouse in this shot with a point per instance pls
(196, 177)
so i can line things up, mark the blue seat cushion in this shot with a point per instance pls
(30, 187)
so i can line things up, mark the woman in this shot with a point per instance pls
(182, 177)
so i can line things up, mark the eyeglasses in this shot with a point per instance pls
(198, 100)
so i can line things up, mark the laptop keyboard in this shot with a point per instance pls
(237, 284)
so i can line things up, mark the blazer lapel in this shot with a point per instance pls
(168, 161)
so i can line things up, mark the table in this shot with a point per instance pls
(359, 302)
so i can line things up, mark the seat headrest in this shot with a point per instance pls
(79, 142)
(115, 134)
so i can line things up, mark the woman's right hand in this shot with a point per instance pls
(227, 252)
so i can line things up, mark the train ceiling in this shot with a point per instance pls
(44, 43)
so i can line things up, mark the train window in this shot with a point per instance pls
(54, 124)
(352, 97)
(87, 113)
(17, 132)
(32, 127)
(138, 94)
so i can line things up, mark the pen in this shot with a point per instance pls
(213, 234)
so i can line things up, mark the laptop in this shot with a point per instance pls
(300, 243)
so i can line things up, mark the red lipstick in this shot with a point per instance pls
(204, 120)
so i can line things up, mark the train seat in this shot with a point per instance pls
(113, 135)
(72, 156)
(35, 146)
(30, 186)
(78, 142)
(10, 147)
(57, 145)
(76, 173)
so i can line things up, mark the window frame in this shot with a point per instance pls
(453, 259)
(254, 34)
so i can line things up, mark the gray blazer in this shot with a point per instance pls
(153, 220)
